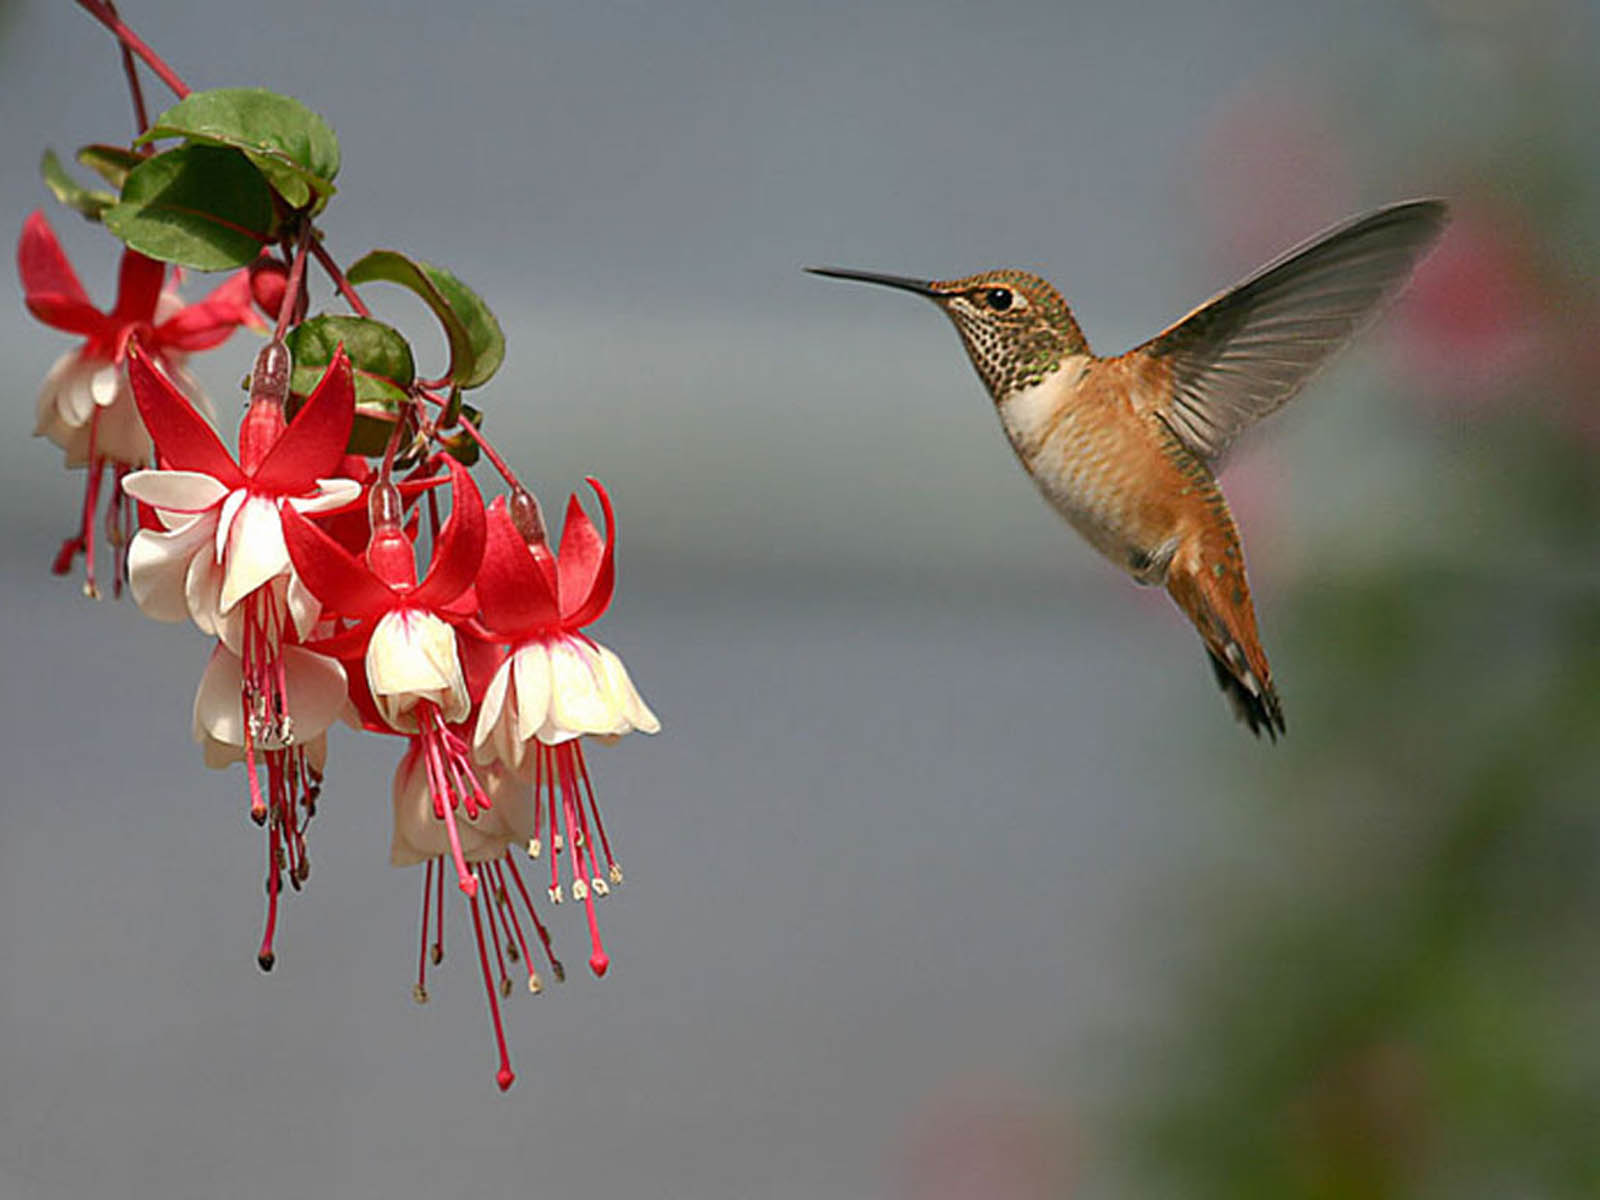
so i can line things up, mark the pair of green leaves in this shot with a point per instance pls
(248, 159)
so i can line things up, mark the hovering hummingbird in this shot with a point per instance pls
(1126, 448)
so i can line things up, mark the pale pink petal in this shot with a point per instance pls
(182, 493)
(256, 551)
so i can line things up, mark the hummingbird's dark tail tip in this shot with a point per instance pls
(1260, 712)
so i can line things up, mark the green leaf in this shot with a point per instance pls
(90, 202)
(380, 360)
(477, 346)
(111, 163)
(292, 146)
(205, 207)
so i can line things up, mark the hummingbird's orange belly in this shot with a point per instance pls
(1109, 483)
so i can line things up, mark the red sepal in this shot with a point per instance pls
(333, 575)
(458, 550)
(138, 288)
(312, 447)
(211, 321)
(587, 564)
(45, 269)
(183, 440)
(513, 591)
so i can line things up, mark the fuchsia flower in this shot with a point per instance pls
(405, 632)
(555, 684)
(85, 405)
(221, 560)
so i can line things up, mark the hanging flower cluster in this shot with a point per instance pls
(316, 557)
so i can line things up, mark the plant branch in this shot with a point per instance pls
(334, 273)
(102, 11)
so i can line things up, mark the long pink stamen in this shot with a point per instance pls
(505, 1077)
(265, 958)
(420, 991)
(594, 806)
(438, 945)
(556, 969)
(598, 960)
(494, 934)
(508, 914)
(430, 724)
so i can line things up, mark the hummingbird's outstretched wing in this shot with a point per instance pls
(1244, 353)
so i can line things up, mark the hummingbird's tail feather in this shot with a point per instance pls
(1216, 598)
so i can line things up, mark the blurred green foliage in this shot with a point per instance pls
(1406, 1002)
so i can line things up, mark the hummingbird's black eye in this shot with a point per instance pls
(998, 299)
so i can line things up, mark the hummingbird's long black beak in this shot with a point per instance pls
(920, 286)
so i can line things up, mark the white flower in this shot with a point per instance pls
(555, 689)
(420, 835)
(219, 546)
(315, 693)
(411, 658)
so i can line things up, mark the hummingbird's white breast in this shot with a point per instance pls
(1079, 458)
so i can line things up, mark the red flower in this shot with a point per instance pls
(221, 560)
(85, 405)
(555, 684)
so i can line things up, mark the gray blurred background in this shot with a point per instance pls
(949, 875)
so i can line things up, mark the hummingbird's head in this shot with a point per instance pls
(1016, 327)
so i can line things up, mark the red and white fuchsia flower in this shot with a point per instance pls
(298, 558)
(555, 683)
(85, 405)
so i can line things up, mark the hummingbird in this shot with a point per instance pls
(1126, 449)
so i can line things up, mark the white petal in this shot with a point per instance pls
(105, 383)
(158, 565)
(331, 494)
(47, 411)
(304, 608)
(219, 755)
(75, 394)
(624, 694)
(315, 689)
(419, 835)
(412, 656)
(230, 509)
(533, 688)
(180, 492)
(218, 710)
(494, 698)
(201, 586)
(578, 702)
(119, 435)
(256, 551)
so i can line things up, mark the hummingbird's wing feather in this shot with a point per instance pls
(1244, 353)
